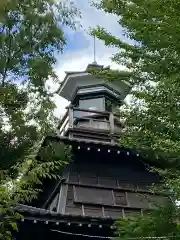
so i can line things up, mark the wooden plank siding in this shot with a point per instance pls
(106, 184)
(108, 191)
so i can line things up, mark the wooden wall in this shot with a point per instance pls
(106, 185)
(109, 190)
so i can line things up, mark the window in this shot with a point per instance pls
(100, 196)
(94, 104)
(113, 212)
(94, 196)
(93, 211)
(97, 103)
(74, 210)
(120, 198)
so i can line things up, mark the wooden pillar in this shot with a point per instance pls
(71, 117)
(111, 121)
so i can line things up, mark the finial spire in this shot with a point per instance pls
(94, 46)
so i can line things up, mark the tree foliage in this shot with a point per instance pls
(162, 223)
(151, 122)
(152, 119)
(46, 162)
(31, 36)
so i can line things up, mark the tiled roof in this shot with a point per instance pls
(29, 211)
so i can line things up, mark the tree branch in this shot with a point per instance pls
(8, 58)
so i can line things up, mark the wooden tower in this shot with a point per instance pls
(104, 180)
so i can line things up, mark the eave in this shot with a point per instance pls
(35, 215)
(71, 79)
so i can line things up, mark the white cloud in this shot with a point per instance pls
(78, 60)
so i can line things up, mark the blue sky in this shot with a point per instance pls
(79, 50)
(75, 41)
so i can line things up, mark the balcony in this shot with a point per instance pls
(90, 124)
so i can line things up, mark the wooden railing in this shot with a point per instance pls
(89, 119)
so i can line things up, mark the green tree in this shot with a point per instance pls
(151, 122)
(152, 119)
(162, 223)
(46, 162)
(31, 36)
